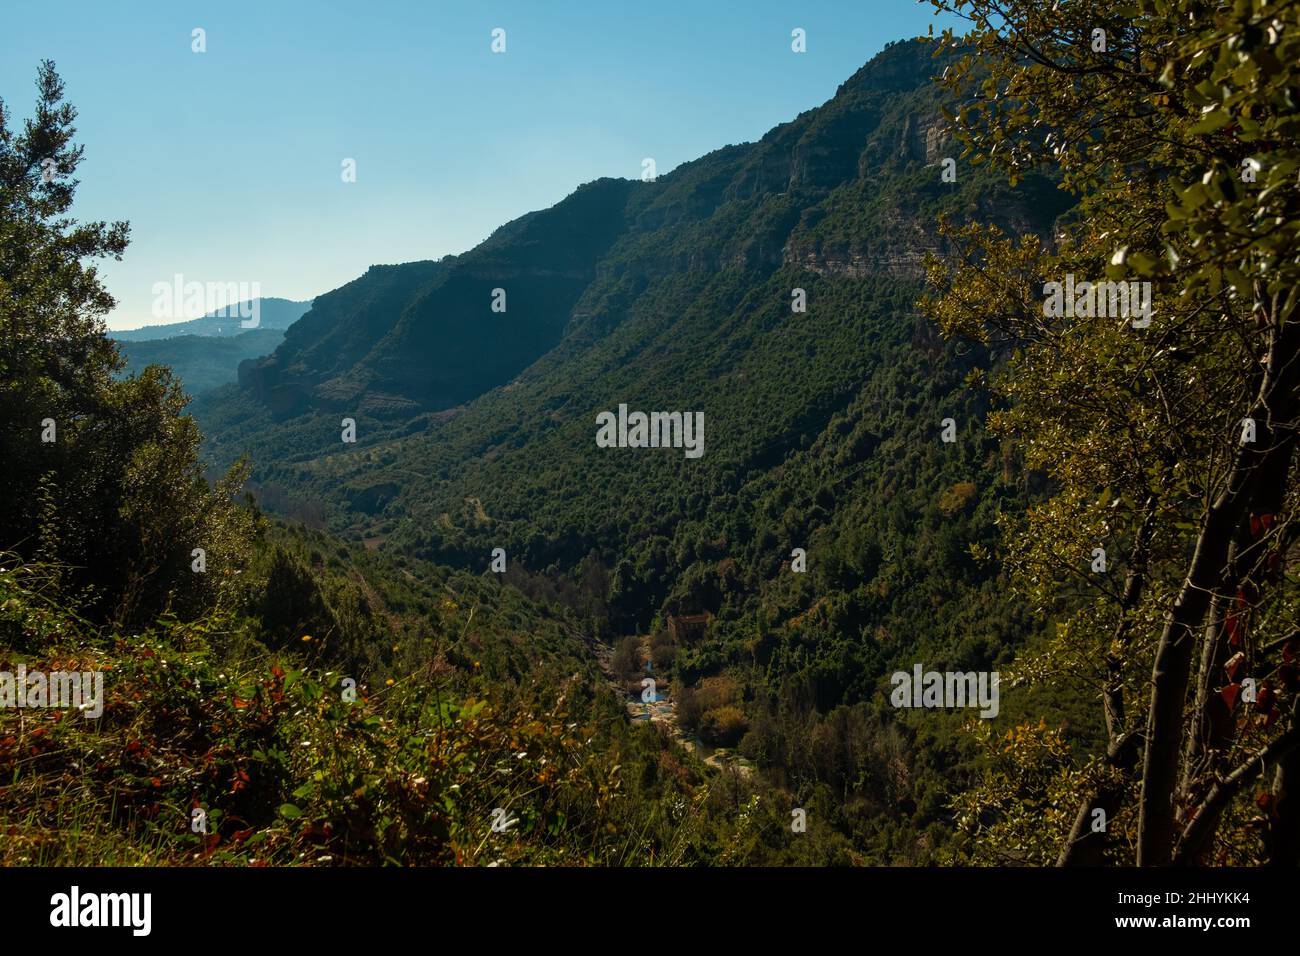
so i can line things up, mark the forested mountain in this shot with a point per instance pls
(403, 339)
(844, 192)
(822, 427)
(404, 580)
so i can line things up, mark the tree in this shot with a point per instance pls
(102, 475)
(1171, 447)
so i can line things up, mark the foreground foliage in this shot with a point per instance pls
(1171, 448)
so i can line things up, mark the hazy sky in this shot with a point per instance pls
(227, 163)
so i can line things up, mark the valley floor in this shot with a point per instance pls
(663, 712)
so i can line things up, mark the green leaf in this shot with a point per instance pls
(1141, 263)
(1213, 120)
(289, 811)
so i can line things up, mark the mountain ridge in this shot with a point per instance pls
(275, 313)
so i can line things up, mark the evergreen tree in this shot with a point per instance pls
(102, 477)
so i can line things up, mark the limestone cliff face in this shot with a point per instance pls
(922, 137)
(900, 258)
(902, 234)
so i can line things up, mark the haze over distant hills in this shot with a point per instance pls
(205, 352)
(201, 362)
(275, 314)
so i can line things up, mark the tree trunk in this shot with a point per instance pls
(1275, 406)
(1085, 847)
(1282, 838)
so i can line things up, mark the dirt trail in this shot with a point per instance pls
(664, 713)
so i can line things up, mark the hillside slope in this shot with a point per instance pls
(201, 362)
(822, 432)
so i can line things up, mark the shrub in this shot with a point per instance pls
(724, 726)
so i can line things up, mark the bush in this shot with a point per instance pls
(663, 651)
(724, 726)
(627, 661)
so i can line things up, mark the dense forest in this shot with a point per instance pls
(428, 645)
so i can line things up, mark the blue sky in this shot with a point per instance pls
(227, 163)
